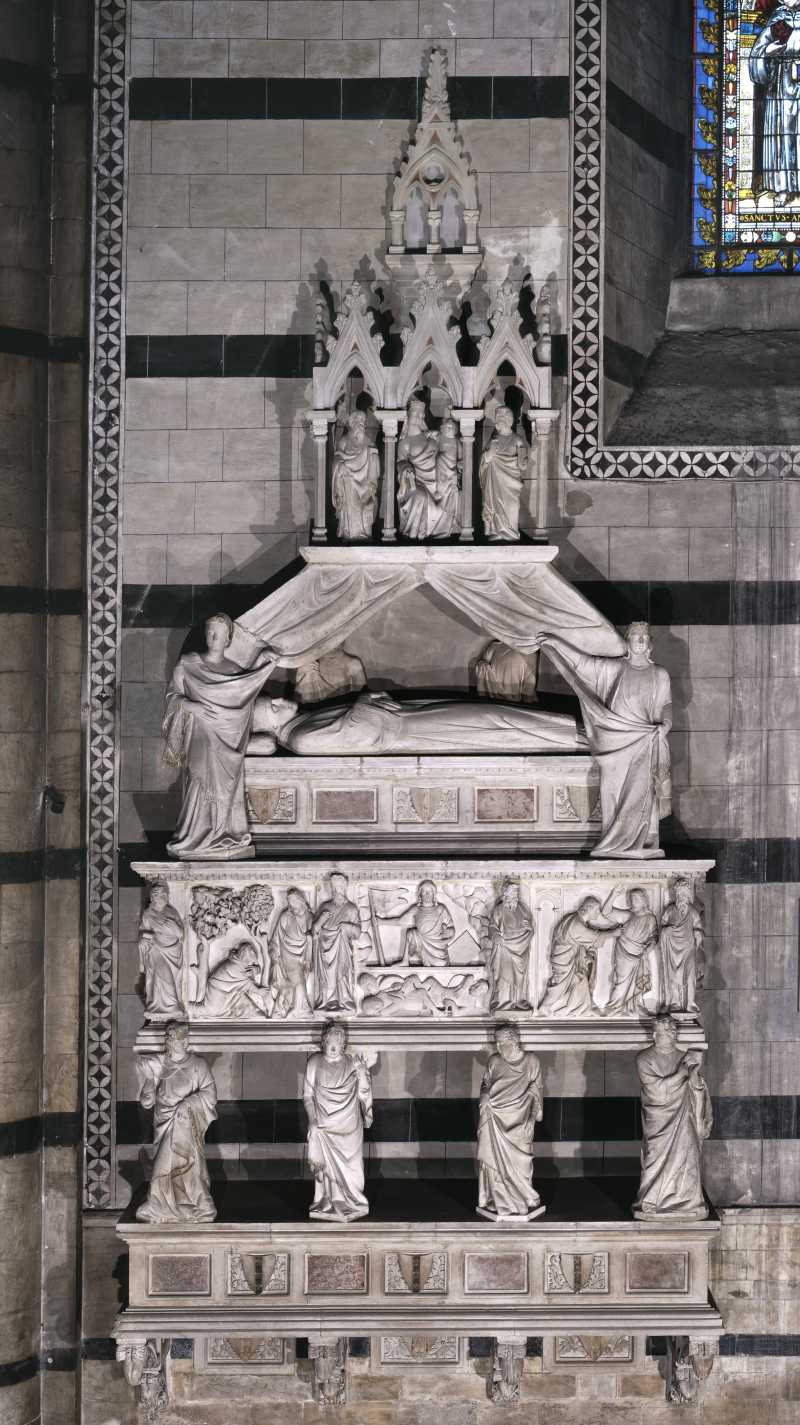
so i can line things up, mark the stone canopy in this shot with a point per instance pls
(512, 594)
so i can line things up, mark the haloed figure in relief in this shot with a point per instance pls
(676, 1118)
(774, 63)
(208, 717)
(355, 479)
(337, 1094)
(510, 1107)
(184, 1098)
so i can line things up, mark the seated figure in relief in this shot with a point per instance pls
(233, 989)
(161, 953)
(377, 724)
(355, 479)
(427, 480)
(502, 470)
(431, 930)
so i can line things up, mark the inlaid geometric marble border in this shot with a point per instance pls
(106, 394)
(589, 458)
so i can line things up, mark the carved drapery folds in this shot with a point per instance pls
(363, 396)
(144, 1366)
(329, 1361)
(370, 945)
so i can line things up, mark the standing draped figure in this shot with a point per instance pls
(635, 953)
(681, 941)
(355, 479)
(337, 1094)
(290, 953)
(510, 932)
(337, 926)
(510, 1106)
(774, 62)
(161, 953)
(627, 710)
(208, 716)
(503, 465)
(184, 1099)
(676, 1118)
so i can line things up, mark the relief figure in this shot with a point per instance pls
(337, 927)
(161, 934)
(290, 954)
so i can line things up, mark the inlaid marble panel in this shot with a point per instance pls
(657, 1271)
(337, 1273)
(486, 1272)
(180, 1276)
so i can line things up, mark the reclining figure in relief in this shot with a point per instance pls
(376, 725)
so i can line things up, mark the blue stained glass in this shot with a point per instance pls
(746, 136)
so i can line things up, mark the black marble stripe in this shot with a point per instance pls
(49, 1130)
(60, 1358)
(40, 83)
(275, 354)
(621, 363)
(22, 341)
(645, 129)
(478, 97)
(15, 1372)
(455, 1120)
(21, 599)
(20, 868)
(98, 1348)
(738, 1346)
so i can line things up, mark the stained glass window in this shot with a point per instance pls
(746, 136)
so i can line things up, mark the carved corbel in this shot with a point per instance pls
(687, 1364)
(506, 1364)
(329, 1359)
(144, 1366)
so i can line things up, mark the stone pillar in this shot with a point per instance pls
(543, 422)
(467, 421)
(397, 222)
(390, 425)
(320, 422)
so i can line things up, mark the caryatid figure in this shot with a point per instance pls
(208, 716)
(431, 930)
(161, 933)
(676, 1119)
(337, 926)
(510, 932)
(510, 1107)
(627, 711)
(681, 943)
(337, 1094)
(502, 470)
(184, 1098)
(355, 479)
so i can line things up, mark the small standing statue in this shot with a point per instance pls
(448, 474)
(290, 951)
(510, 932)
(337, 1095)
(676, 1119)
(502, 469)
(184, 1097)
(337, 926)
(431, 930)
(681, 944)
(627, 710)
(426, 509)
(635, 952)
(510, 1107)
(161, 953)
(208, 716)
(355, 479)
